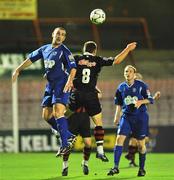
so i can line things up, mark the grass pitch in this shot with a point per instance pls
(44, 166)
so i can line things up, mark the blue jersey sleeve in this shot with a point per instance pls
(36, 55)
(118, 98)
(70, 59)
(146, 93)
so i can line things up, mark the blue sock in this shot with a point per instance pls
(53, 123)
(62, 127)
(117, 154)
(69, 134)
(142, 158)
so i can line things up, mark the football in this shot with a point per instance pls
(97, 16)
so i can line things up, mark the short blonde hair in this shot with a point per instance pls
(138, 76)
(132, 67)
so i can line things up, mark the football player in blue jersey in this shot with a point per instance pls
(131, 98)
(60, 69)
(133, 148)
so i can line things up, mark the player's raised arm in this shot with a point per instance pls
(157, 95)
(120, 57)
(22, 66)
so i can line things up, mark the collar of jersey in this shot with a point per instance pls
(87, 53)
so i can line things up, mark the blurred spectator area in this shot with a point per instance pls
(159, 15)
(22, 36)
(155, 66)
(30, 94)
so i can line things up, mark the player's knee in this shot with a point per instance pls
(87, 142)
(58, 114)
(133, 142)
(46, 117)
(97, 119)
(68, 113)
(98, 122)
(120, 140)
(142, 149)
(146, 140)
(87, 145)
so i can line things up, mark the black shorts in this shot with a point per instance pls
(89, 100)
(79, 123)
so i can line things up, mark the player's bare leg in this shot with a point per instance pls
(47, 115)
(132, 149)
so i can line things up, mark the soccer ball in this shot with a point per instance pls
(97, 16)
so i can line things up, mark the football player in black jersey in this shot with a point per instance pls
(79, 124)
(84, 95)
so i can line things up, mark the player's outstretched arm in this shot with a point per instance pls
(22, 66)
(120, 57)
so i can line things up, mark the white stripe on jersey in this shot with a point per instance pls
(61, 53)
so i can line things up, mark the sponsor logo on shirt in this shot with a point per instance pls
(54, 53)
(130, 100)
(86, 63)
(134, 90)
(49, 63)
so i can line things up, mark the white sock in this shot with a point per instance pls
(84, 162)
(55, 132)
(100, 149)
(65, 164)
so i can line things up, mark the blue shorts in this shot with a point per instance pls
(54, 94)
(136, 125)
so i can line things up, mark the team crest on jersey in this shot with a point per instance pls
(54, 53)
(71, 58)
(134, 90)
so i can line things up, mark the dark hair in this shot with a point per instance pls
(61, 28)
(89, 46)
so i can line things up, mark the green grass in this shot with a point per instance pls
(44, 166)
